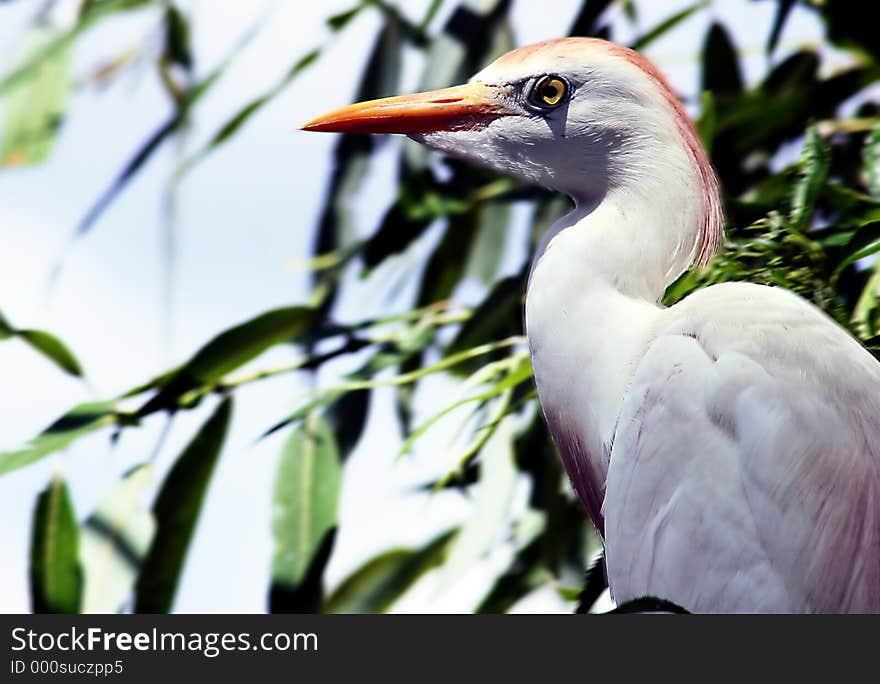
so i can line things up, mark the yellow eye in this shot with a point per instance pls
(550, 91)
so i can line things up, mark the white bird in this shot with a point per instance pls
(727, 448)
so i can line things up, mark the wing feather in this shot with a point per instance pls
(745, 473)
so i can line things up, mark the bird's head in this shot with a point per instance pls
(579, 115)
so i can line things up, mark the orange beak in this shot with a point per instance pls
(465, 106)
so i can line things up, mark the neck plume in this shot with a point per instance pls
(710, 231)
(659, 212)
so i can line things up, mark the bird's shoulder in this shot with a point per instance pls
(752, 421)
(776, 330)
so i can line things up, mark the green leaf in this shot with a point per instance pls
(527, 573)
(176, 511)
(595, 583)
(45, 343)
(34, 107)
(782, 10)
(52, 348)
(56, 578)
(468, 40)
(849, 28)
(91, 13)
(512, 370)
(348, 418)
(472, 36)
(240, 118)
(493, 229)
(236, 346)
(74, 424)
(115, 541)
(376, 585)
(154, 141)
(351, 156)
(178, 49)
(472, 245)
(464, 457)
(230, 350)
(721, 72)
(134, 164)
(306, 499)
(519, 374)
(862, 314)
(340, 20)
(813, 169)
(667, 25)
(498, 316)
(756, 123)
(346, 406)
(94, 10)
(6, 329)
(491, 505)
(708, 121)
(862, 243)
(587, 21)
(871, 158)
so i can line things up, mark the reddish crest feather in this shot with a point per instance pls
(571, 49)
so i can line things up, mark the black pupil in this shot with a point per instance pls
(551, 91)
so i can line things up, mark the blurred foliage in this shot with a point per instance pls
(811, 225)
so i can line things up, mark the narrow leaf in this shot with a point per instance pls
(34, 107)
(721, 71)
(6, 329)
(342, 19)
(667, 25)
(52, 348)
(587, 21)
(91, 13)
(230, 350)
(74, 424)
(813, 169)
(131, 168)
(527, 573)
(595, 582)
(863, 313)
(498, 316)
(783, 9)
(178, 48)
(488, 247)
(871, 157)
(513, 370)
(154, 142)
(351, 155)
(498, 475)
(115, 541)
(850, 246)
(56, 579)
(240, 118)
(708, 121)
(306, 497)
(47, 344)
(376, 585)
(176, 511)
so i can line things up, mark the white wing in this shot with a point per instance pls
(745, 468)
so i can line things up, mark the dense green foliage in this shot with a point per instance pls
(812, 226)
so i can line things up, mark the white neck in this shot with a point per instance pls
(593, 302)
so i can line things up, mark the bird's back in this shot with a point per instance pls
(745, 467)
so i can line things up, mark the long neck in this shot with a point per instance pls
(641, 235)
(592, 301)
